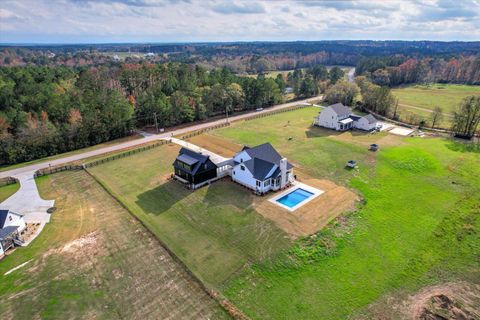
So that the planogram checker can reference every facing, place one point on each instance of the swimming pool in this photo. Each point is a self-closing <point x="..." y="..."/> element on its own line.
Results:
<point x="295" y="197"/>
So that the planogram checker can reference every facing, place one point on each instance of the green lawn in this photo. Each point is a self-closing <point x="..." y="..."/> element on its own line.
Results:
<point x="214" y="230"/>
<point x="446" y="96"/>
<point x="418" y="226"/>
<point x="320" y="152"/>
<point x="121" y="273"/>
<point x="7" y="191"/>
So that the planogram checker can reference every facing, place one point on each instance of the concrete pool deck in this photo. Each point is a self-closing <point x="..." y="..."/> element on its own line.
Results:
<point x="296" y="185"/>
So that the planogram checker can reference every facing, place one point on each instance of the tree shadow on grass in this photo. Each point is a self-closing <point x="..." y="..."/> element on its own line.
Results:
<point x="225" y="192"/>
<point x="163" y="197"/>
<point x="316" y="132"/>
<point x="464" y="146"/>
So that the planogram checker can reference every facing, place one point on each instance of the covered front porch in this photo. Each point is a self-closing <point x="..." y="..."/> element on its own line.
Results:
<point x="345" y="124"/>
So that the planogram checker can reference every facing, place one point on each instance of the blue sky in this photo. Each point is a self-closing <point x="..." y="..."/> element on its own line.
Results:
<point x="88" y="21"/>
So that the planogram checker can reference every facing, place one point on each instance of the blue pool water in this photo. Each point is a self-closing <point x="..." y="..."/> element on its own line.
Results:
<point x="295" y="197"/>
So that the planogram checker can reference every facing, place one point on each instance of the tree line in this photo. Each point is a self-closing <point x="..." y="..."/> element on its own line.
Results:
<point x="397" y="70"/>
<point x="50" y="110"/>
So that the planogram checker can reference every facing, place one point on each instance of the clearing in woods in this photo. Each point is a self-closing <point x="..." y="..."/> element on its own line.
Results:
<point x="94" y="260"/>
<point x="421" y="99"/>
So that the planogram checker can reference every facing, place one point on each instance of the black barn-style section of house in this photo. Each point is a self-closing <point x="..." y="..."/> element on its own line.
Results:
<point x="194" y="168"/>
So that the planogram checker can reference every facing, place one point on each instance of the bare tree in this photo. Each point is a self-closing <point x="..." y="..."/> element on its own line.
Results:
<point x="467" y="117"/>
<point x="437" y="115"/>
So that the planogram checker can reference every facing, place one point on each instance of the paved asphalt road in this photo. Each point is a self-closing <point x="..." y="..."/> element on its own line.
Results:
<point x="128" y="144"/>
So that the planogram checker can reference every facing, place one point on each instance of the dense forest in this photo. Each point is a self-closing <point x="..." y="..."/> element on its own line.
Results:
<point x="240" y="57"/>
<point x="397" y="70"/>
<point x="48" y="110"/>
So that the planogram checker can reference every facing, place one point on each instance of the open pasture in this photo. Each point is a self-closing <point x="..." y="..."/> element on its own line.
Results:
<point x="411" y="232"/>
<point x="94" y="260"/>
<point x="420" y="100"/>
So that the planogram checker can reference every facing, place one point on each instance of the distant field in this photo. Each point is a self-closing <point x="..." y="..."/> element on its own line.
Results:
<point x="7" y="191"/>
<point x="94" y="261"/>
<point x="214" y="230"/>
<point x="275" y="73"/>
<point x="421" y="99"/>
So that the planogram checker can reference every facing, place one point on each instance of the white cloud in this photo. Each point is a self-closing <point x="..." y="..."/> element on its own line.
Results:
<point x="223" y="20"/>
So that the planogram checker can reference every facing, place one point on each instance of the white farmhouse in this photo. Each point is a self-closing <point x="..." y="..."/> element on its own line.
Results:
<point x="261" y="169"/>
<point x="340" y="118"/>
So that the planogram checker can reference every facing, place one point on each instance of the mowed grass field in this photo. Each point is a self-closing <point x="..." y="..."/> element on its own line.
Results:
<point x="420" y="99"/>
<point x="419" y="224"/>
<point x="214" y="230"/>
<point x="95" y="261"/>
<point x="8" y="190"/>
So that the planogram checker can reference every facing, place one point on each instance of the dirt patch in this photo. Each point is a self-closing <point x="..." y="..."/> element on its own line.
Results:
<point x="87" y="242"/>
<point x="449" y="301"/>
<point x="216" y="145"/>
<point x="86" y="245"/>
<point x="315" y="214"/>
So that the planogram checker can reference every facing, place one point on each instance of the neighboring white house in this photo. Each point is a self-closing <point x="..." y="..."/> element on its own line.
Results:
<point x="340" y="118"/>
<point x="261" y="169"/>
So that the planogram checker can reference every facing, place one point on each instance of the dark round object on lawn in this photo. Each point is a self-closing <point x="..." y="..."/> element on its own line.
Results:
<point x="51" y="210"/>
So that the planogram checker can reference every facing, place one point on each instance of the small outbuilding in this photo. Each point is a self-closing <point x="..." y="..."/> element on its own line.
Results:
<point x="194" y="169"/>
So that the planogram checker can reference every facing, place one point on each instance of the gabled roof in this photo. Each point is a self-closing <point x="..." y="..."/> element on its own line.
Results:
<point x="193" y="159"/>
<point x="259" y="168"/>
<point x="264" y="158"/>
<point x="371" y="119"/>
<point x="265" y="152"/>
<point x="4" y="214"/>
<point x="339" y="108"/>
<point x="3" y="217"/>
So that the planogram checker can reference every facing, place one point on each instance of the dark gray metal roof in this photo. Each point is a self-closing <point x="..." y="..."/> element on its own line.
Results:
<point x="7" y="231"/>
<point x="371" y="119"/>
<point x="194" y="159"/>
<point x="355" y="117"/>
<point x="185" y="158"/>
<point x="265" y="152"/>
<point x="3" y="217"/>
<point x="339" y="108"/>
<point x="264" y="158"/>
<point x="259" y="168"/>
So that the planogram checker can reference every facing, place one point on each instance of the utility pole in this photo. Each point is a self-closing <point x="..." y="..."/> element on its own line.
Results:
<point x="155" y="119"/>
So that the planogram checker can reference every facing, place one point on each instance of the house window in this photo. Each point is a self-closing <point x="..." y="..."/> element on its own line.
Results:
<point x="242" y="168"/>
<point x="233" y="172"/>
<point x="10" y="217"/>
<point x="259" y="183"/>
<point x="266" y="183"/>
<point x="241" y="160"/>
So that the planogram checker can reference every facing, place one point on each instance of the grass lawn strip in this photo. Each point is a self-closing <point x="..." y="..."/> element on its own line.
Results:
<point x="95" y="261"/>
